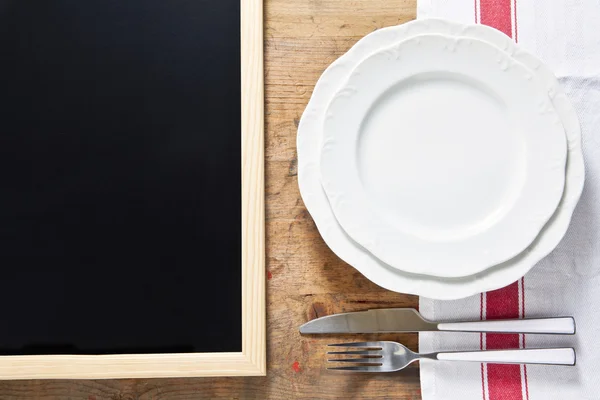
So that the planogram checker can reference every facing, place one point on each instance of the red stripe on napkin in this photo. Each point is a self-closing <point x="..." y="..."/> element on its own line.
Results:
<point x="496" y="13"/>
<point x="503" y="381"/>
<point x="523" y="316"/>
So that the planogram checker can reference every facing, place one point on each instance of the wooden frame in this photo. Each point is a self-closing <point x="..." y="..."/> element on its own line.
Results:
<point x="252" y="359"/>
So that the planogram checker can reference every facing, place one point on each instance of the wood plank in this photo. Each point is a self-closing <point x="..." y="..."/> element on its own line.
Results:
<point x="304" y="278"/>
<point x="253" y="188"/>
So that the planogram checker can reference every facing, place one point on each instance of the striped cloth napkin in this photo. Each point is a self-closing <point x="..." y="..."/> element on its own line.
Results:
<point x="565" y="34"/>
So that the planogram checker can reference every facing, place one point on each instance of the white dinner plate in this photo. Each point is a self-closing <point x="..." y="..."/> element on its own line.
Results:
<point x="310" y="134"/>
<point x="442" y="155"/>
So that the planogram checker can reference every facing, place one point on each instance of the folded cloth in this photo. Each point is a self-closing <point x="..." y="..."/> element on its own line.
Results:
<point x="565" y="34"/>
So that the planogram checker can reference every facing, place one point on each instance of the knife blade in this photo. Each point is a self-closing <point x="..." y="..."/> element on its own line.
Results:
<point x="370" y="321"/>
<point x="393" y="320"/>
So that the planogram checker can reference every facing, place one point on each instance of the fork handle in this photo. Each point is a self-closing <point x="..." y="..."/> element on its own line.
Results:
<point x="559" y="356"/>
<point x="559" y="325"/>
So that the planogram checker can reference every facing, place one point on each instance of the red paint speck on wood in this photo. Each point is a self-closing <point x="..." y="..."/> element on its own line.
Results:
<point x="296" y="366"/>
<point x="269" y="275"/>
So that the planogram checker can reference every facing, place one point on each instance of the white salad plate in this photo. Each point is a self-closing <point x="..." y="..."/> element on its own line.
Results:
<point x="442" y="155"/>
<point x="310" y="138"/>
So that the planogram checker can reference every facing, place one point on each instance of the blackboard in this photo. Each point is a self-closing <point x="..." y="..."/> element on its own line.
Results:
<point x="120" y="178"/>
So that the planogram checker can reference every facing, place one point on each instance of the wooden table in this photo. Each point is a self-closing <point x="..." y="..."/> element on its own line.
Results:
<point x="305" y="279"/>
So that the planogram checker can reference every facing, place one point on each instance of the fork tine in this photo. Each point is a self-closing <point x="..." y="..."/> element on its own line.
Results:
<point x="365" y="368"/>
<point x="376" y="345"/>
<point x="358" y="352"/>
<point x="372" y="361"/>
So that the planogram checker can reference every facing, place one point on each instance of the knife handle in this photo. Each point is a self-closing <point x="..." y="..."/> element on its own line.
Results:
<point x="561" y="356"/>
<point x="559" y="325"/>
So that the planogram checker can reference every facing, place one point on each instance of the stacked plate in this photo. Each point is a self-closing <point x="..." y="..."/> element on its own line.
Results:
<point x="440" y="159"/>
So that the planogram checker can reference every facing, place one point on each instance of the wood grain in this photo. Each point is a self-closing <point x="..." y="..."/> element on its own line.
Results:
<point x="254" y="339"/>
<point x="304" y="278"/>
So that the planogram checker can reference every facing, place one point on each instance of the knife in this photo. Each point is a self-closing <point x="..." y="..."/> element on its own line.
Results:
<point x="409" y="320"/>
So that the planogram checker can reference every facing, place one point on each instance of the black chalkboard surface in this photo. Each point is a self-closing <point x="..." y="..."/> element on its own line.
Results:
<point x="120" y="176"/>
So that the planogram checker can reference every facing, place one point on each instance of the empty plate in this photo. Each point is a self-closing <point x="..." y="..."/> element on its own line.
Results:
<point x="443" y="156"/>
<point x="310" y="133"/>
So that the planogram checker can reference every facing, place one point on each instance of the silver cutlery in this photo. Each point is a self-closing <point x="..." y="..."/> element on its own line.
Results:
<point x="392" y="356"/>
<point x="409" y="320"/>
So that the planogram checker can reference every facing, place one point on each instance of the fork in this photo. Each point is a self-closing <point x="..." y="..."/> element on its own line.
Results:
<point x="392" y="356"/>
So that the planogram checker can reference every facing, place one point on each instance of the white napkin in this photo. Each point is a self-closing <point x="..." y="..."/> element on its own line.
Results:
<point x="565" y="34"/>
